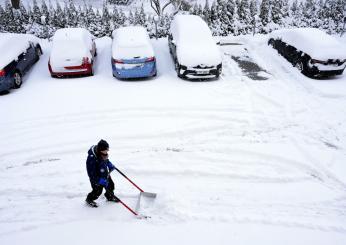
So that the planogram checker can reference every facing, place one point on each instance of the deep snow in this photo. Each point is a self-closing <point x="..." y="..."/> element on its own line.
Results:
<point x="234" y="161"/>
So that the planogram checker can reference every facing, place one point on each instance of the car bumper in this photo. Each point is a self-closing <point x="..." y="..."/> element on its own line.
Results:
<point x="6" y="83"/>
<point x="71" y="71"/>
<point x="192" y="73"/>
<point x="140" y="71"/>
<point x="327" y="70"/>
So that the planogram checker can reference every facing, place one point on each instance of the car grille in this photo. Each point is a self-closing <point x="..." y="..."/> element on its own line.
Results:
<point x="203" y="67"/>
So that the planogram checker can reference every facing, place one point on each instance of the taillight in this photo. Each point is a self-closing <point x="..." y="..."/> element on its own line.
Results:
<point x="115" y="61"/>
<point x="85" y="60"/>
<point x="150" y="59"/>
<point x="2" y="73"/>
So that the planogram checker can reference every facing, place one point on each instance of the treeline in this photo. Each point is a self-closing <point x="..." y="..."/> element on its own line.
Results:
<point x="225" y="17"/>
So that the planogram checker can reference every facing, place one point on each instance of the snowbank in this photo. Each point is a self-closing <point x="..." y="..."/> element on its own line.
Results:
<point x="12" y="45"/>
<point x="194" y="41"/>
<point x="130" y="42"/>
<point x="312" y="41"/>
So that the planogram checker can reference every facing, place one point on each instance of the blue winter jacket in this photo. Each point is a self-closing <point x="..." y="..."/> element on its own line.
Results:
<point x="96" y="167"/>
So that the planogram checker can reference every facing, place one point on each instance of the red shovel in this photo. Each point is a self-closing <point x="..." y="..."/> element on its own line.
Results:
<point x="142" y="193"/>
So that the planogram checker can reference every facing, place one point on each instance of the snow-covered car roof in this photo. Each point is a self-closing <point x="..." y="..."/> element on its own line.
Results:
<point x="130" y="42"/>
<point x="70" y="44"/>
<point x="194" y="41"/>
<point x="12" y="45"/>
<point x="314" y="42"/>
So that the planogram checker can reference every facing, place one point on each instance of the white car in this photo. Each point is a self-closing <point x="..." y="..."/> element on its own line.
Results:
<point x="193" y="48"/>
<point x="311" y="50"/>
<point x="73" y="53"/>
<point x="132" y="53"/>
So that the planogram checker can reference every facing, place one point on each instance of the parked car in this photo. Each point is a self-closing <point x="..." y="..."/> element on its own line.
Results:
<point x="73" y="53"/>
<point x="193" y="49"/>
<point x="132" y="53"/>
<point x="19" y="52"/>
<point x="311" y="50"/>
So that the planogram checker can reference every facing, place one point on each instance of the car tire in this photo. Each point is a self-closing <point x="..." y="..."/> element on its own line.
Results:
<point x="38" y="52"/>
<point x="17" y="79"/>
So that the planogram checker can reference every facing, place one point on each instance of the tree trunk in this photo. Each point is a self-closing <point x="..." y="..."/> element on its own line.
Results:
<point x="15" y="4"/>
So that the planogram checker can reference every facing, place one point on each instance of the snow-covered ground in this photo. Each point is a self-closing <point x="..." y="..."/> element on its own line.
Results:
<point x="234" y="161"/>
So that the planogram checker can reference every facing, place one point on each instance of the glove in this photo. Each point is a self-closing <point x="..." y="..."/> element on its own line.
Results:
<point x="110" y="166"/>
<point x="103" y="182"/>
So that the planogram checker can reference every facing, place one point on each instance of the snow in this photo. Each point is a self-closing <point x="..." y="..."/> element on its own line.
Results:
<point x="12" y="45"/>
<point x="312" y="41"/>
<point x="130" y="42"/>
<point x="70" y="45"/>
<point x="233" y="161"/>
<point x="194" y="41"/>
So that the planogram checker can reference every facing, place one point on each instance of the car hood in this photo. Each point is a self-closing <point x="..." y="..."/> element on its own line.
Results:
<point x="199" y="54"/>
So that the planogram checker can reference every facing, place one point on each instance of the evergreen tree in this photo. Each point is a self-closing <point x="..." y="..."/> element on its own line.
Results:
<point x="106" y="30"/>
<point x="44" y="11"/>
<point x="36" y="12"/>
<point x="24" y="15"/>
<point x="131" y="19"/>
<point x="245" y="16"/>
<point x="265" y="14"/>
<point x="140" y="17"/>
<point x="206" y="13"/>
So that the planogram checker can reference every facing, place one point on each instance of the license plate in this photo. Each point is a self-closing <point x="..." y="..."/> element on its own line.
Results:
<point x="202" y="72"/>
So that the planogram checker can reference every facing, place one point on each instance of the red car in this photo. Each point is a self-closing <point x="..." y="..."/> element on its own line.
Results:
<point x="73" y="53"/>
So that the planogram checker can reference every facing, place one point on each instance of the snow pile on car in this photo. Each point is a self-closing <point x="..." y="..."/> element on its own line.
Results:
<point x="130" y="42"/>
<point x="194" y="41"/>
<point x="312" y="41"/>
<point x="12" y="45"/>
<point x="70" y="45"/>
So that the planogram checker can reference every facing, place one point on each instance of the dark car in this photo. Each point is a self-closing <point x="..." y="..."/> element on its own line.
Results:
<point x="193" y="49"/>
<point x="15" y="61"/>
<point x="311" y="51"/>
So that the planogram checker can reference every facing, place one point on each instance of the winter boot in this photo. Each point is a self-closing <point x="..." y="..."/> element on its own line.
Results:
<point x="112" y="198"/>
<point x="91" y="203"/>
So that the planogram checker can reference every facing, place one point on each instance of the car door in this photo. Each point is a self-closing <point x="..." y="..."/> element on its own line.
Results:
<point x="21" y="63"/>
<point x="30" y="55"/>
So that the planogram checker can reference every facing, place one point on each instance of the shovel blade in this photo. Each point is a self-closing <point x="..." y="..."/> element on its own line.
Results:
<point x="148" y="194"/>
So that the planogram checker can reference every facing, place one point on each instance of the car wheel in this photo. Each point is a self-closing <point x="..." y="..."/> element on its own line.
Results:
<point x="17" y="80"/>
<point x="38" y="52"/>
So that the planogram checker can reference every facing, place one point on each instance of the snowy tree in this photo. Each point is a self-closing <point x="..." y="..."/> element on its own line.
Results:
<point x="36" y="12"/>
<point x="44" y="11"/>
<point x="255" y="21"/>
<point x="206" y="13"/>
<point x="245" y="16"/>
<point x="296" y="14"/>
<point x="159" y="6"/>
<point x="265" y="13"/>
<point x="140" y="17"/>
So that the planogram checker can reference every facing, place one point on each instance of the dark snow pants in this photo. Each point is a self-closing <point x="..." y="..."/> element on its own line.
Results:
<point x="97" y="190"/>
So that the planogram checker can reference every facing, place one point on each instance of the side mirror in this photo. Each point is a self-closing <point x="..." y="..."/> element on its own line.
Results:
<point x="218" y="43"/>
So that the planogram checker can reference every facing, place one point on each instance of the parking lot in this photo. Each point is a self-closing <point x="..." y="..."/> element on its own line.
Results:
<point x="263" y="144"/>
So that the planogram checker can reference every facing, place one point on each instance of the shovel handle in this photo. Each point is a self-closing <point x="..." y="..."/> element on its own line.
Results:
<point x="128" y="179"/>
<point x="128" y="207"/>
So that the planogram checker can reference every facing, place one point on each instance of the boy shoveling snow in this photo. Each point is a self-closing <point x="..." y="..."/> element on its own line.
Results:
<point x="99" y="168"/>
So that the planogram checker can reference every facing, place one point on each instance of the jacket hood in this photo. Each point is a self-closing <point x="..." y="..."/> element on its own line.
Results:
<point x="92" y="151"/>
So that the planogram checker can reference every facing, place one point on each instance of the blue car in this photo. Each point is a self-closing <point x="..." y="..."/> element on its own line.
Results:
<point x="132" y="53"/>
<point x="18" y="54"/>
